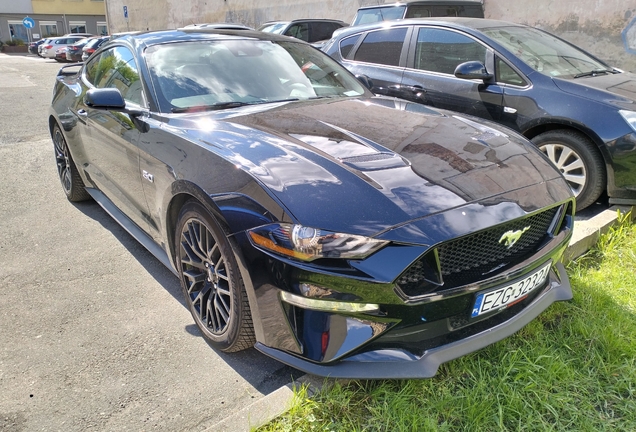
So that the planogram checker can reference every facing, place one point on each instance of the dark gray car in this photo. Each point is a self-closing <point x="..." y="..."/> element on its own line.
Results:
<point x="576" y="108"/>
<point x="309" y="30"/>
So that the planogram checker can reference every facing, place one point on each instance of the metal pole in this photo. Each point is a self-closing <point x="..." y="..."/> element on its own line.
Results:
<point x="107" y="16"/>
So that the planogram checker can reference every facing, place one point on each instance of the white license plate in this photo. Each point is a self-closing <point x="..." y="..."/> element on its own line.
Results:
<point x="508" y="295"/>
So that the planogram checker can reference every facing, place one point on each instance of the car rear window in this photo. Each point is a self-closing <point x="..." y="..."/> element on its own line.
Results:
<point x="366" y="16"/>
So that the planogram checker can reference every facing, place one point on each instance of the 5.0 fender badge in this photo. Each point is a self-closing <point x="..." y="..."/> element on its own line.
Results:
<point x="509" y="238"/>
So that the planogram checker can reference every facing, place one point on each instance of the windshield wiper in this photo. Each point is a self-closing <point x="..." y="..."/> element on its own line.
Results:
<point x="212" y="107"/>
<point x="266" y="101"/>
<point x="226" y="105"/>
<point x="594" y="73"/>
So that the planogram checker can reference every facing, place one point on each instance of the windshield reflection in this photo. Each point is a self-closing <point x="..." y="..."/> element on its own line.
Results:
<point x="224" y="74"/>
<point x="544" y="52"/>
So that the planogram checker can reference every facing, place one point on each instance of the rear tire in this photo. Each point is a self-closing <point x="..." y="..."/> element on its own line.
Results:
<point x="67" y="172"/>
<point x="210" y="280"/>
<point x="578" y="160"/>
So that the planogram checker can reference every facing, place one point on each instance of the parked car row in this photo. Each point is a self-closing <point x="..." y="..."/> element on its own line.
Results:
<point x="75" y="47"/>
<point x="51" y="46"/>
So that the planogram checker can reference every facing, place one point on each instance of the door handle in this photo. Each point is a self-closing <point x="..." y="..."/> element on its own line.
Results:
<point x="416" y="88"/>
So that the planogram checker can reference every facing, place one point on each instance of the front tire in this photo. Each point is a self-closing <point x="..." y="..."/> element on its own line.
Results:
<point x="578" y="160"/>
<point x="66" y="170"/>
<point x="210" y="280"/>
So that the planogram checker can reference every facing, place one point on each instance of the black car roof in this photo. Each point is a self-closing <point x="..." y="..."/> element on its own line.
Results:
<point x="303" y="20"/>
<point x="200" y="34"/>
<point x="425" y="2"/>
<point x="152" y="38"/>
<point x="452" y="22"/>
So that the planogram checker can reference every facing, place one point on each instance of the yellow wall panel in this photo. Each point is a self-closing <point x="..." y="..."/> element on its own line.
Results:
<point x="69" y="7"/>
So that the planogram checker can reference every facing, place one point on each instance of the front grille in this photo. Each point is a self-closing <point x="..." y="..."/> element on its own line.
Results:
<point x="474" y="257"/>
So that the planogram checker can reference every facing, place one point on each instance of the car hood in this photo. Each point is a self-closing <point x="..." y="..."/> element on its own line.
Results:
<point x="366" y="165"/>
<point x="614" y="89"/>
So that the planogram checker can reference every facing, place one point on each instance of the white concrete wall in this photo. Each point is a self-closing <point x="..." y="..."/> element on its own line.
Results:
<point x="16" y="6"/>
<point x="606" y="28"/>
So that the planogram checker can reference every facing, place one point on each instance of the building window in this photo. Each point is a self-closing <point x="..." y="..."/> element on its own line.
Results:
<point x="48" y="29"/>
<point x="102" y="29"/>
<point x="77" y="26"/>
<point x="18" y="31"/>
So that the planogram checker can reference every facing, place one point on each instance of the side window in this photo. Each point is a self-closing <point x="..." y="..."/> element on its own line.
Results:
<point x="442" y="50"/>
<point x="505" y="74"/>
<point x="382" y="47"/>
<point x="321" y="31"/>
<point x="346" y="44"/>
<point x="116" y="68"/>
<point x="90" y="71"/>
<point x="299" y="31"/>
<point x="418" y="12"/>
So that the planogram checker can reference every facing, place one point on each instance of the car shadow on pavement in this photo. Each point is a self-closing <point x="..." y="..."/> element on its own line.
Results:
<point x="263" y="373"/>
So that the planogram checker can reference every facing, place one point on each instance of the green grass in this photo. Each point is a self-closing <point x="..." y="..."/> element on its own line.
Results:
<point x="571" y="369"/>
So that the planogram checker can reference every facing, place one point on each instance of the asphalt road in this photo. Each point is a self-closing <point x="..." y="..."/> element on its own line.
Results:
<point x="94" y="334"/>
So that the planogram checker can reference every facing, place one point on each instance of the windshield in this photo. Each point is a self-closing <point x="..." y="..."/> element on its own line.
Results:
<point x="229" y="73"/>
<point x="273" y="28"/>
<point x="366" y="16"/>
<point x="545" y="53"/>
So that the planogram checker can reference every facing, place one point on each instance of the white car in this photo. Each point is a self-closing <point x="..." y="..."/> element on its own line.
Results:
<point x="48" y="49"/>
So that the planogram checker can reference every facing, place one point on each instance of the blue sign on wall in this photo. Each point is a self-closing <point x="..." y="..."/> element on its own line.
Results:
<point x="28" y="22"/>
<point x="125" y="11"/>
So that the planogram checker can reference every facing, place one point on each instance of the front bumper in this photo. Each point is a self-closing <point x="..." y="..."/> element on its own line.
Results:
<point x="399" y="364"/>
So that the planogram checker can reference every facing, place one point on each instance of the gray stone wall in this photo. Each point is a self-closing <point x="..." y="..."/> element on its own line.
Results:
<point x="605" y="28"/>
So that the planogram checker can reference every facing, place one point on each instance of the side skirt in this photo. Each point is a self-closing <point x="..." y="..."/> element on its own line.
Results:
<point x="132" y="228"/>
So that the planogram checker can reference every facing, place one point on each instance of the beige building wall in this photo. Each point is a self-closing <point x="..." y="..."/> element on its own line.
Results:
<point x="606" y="28"/>
<point x="74" y="7"/>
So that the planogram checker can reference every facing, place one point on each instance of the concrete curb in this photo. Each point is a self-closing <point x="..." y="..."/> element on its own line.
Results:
<point x="265" y="409"/>
<point x="586" y="234"/>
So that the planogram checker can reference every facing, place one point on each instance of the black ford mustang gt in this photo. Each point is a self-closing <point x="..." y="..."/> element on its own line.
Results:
<point x="339" y="232"/>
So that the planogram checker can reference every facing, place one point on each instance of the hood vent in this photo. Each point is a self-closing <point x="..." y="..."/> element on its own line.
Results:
<point x="375" y="161"/>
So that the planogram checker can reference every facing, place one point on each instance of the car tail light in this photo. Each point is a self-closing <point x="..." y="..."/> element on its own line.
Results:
<point x="89" y="51"/>
<point x="48" y="47"/>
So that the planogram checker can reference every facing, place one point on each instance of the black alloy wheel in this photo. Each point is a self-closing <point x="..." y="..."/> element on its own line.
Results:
<point x="66" y="170"/>
<point x="211" y="281"/>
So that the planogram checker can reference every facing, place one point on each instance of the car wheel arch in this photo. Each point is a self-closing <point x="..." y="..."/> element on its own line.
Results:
<point x="184" y="192"/>
<point x="548" y="125"/>
<point x="181" y="192"/>
<point x="583" y="165"/>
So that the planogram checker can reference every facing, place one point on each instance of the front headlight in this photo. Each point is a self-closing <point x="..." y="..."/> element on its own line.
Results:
<point x="630" y="118"/>
<point x="308" y="244"/>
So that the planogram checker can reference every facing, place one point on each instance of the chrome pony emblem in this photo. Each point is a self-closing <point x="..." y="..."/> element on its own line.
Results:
<point x="509" y="238"/>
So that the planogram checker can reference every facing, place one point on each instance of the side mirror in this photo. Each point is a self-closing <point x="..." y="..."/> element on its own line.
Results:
<point x="105" y="98"/>
<point x="472" y="70"/>
<point x="365" y="80"/>
<point x="109" y="99"/>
